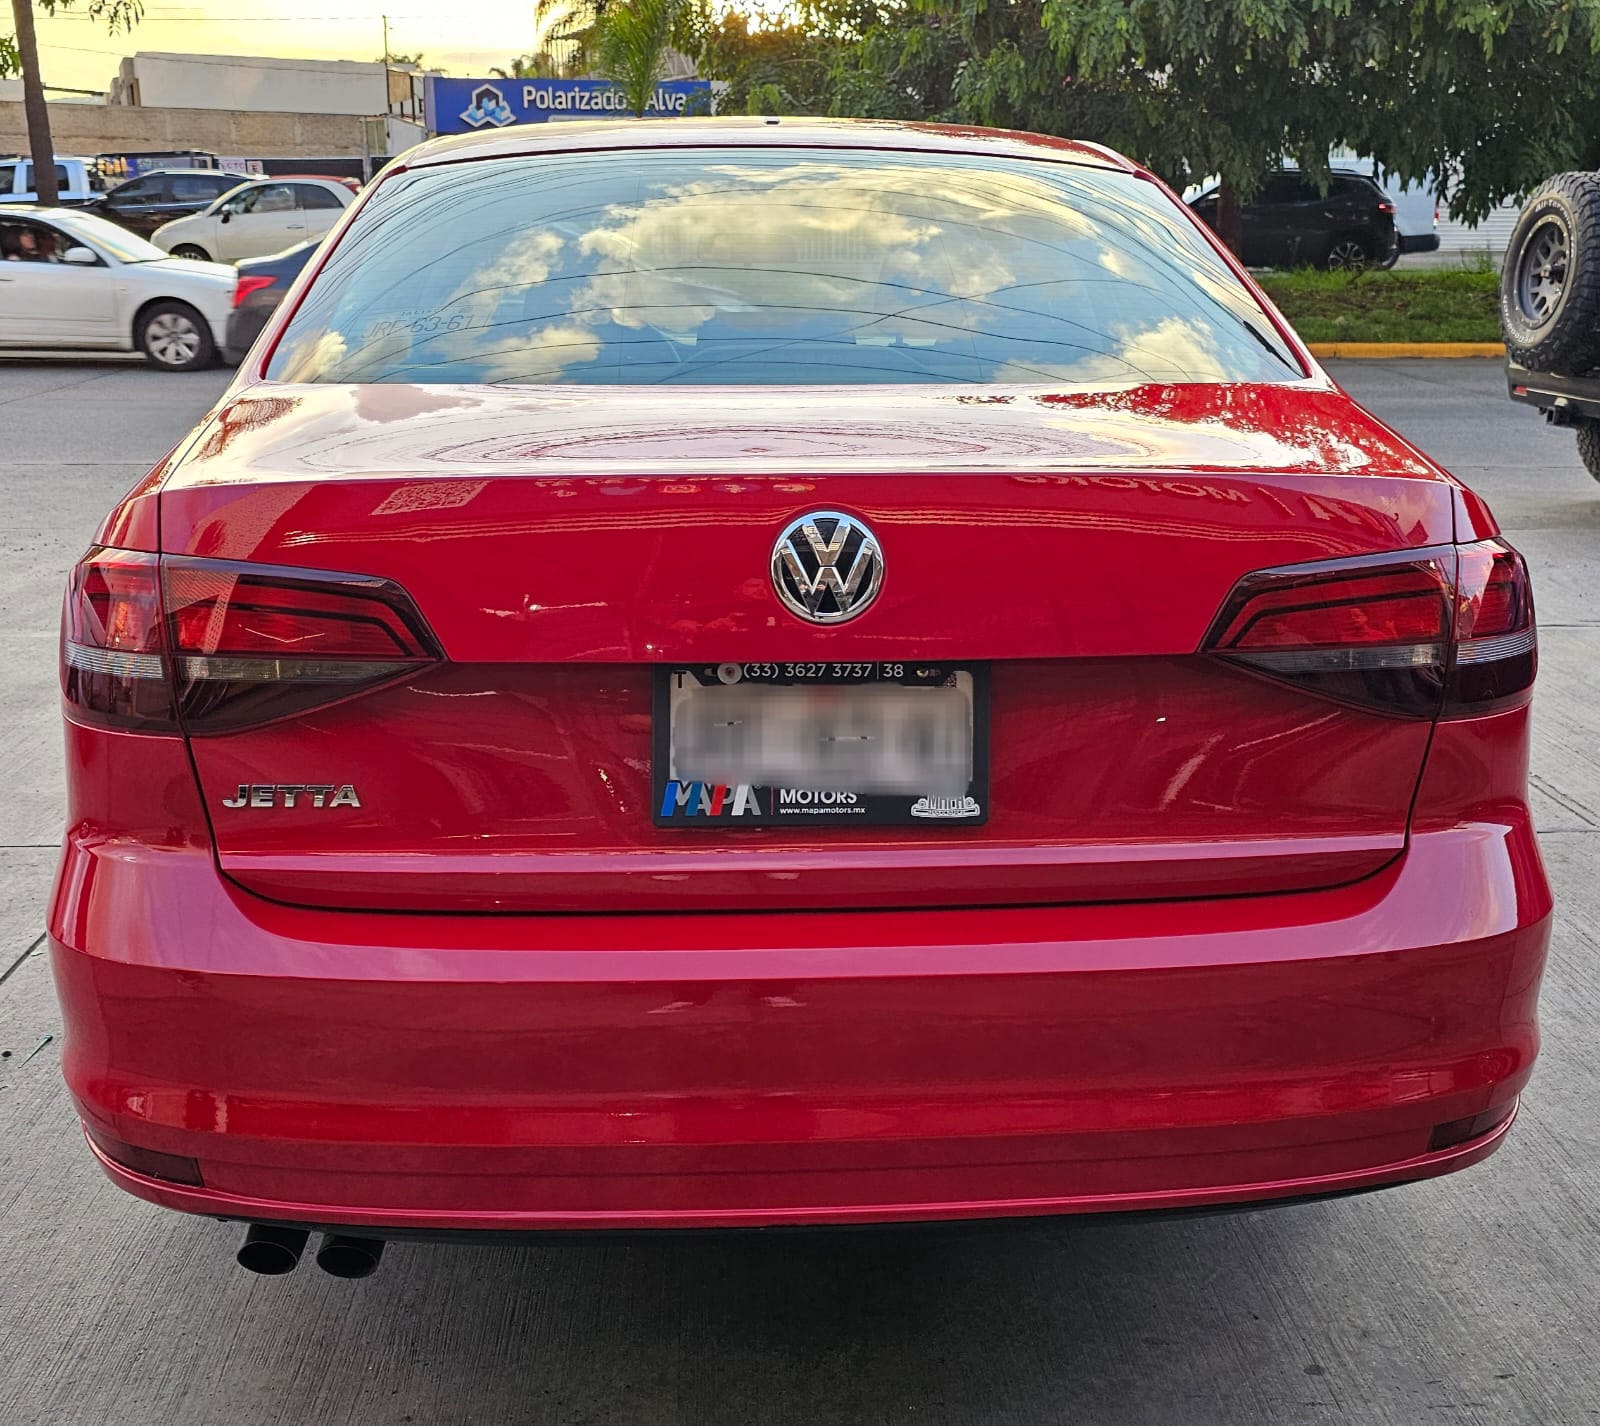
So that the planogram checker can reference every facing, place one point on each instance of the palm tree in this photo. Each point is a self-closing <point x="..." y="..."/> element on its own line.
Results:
<point x="524" y="66"/>
<point x="631" y="40"/>
<point x="559" y="27"/>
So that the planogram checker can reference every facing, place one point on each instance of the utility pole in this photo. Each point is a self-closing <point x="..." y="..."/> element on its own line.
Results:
<point x="33" y="105"/>
<point x="386" y="39"/>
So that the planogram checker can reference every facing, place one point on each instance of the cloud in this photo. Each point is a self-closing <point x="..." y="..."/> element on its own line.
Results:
<point x="1013" y="273"/>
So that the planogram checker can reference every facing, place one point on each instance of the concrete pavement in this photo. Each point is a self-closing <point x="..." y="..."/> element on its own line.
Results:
<point x="1471" y="1299"/>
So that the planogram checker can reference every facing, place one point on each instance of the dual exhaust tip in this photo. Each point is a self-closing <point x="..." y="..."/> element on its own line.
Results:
<point x="272" y="1251"/>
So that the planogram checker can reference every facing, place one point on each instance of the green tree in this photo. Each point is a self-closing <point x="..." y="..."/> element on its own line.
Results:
<point x="19" y="53"/>
<point x="780" y="65"/>
<point x="1483" y="97"/>
<point x="967" y="62"/>
<point x="629" y="42"/>
<point x="779" y="69"/>
<point x="1487" y="97"/>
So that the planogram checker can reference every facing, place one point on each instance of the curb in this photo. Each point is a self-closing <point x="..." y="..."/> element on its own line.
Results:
<point x="1391" y="350"/>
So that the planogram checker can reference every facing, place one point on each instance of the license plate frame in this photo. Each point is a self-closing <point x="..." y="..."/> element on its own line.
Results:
<point x="679" y="805"/>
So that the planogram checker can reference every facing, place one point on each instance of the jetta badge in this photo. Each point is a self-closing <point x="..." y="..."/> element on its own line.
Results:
<point x="827" y="567"/>
<point x="292" y="794"/>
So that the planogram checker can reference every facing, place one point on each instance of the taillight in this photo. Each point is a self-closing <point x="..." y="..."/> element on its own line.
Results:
<point x="1386" y="206"/>
<point x="211" y="645"/>
<point x="113" y="669"/>
<point x="1496" y="646"/>
<point x="254" y="642"/>
<point x="246" y="285"/>
<point x="1446" y="631"/>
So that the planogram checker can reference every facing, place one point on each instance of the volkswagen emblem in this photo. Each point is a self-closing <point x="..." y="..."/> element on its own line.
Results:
<point x="827" y="567"/>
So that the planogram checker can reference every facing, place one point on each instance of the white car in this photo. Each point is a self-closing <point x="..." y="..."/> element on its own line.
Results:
<point x="76" y="181"/>
<point x="71" y="280"/>
<point x="258" y="218"/>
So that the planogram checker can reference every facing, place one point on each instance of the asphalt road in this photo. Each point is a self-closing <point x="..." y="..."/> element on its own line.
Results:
<point x="1470" y="1299"/>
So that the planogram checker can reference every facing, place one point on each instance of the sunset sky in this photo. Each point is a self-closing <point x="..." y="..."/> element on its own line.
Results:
<point x="79" y="53"/>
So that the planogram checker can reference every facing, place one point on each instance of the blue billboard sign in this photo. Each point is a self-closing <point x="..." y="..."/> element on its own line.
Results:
<point x="464" y="106"/>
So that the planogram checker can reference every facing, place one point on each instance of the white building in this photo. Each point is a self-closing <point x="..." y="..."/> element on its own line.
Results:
<point x="258" y="84"/>
<point x="1492" y="235"/>
<point x="283" y="86"/>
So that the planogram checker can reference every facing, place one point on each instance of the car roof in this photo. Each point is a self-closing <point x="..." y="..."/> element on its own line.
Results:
<point x="187" y="172"/>
<point x="53" y="214"/>
<point x="1337" y="170"/>
<point x="33" y="210"/>
<point x="757" y="132"/>
<point x="66" y="218"/>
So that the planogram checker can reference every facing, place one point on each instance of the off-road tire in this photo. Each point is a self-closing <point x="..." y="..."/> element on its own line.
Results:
<point x="1550" y="282"/>
<point x="1589" y="446"/>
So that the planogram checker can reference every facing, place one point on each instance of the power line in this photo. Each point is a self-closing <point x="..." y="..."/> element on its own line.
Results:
<point x="251" y="19"/>
<point x="77" y="49"/>
<point x="216" y="61"/>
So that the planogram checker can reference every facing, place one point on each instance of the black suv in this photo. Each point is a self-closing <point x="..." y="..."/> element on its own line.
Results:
<point x="1292" y="223"/>
<point x="144" y="203"/>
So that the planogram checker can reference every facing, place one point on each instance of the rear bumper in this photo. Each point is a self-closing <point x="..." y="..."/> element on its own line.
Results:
<point x="1565" y="400"/>
<point x="1419" y="242"/>
<point x="244" y="326"/>
<point x="508" y="1072"/>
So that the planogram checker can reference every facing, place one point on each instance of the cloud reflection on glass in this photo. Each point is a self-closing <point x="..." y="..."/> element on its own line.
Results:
<point x="778" y="267"/>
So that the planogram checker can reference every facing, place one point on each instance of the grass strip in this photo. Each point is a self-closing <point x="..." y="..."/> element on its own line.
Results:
<point x="1421" y="305"/>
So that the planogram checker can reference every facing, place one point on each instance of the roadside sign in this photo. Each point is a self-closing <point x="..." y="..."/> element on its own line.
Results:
<point x="464" y="106"/>
<point x="120" y="166"/>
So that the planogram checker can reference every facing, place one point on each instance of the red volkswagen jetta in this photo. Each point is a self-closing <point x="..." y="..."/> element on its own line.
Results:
<point x="756" y="672"/>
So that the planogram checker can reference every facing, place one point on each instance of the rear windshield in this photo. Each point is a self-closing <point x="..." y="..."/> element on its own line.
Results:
<point x="775" y="267"/>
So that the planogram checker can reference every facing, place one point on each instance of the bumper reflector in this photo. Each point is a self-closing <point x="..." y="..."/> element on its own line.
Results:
<point x="172" y="1168"/>
<point x="1459" y="1131"/>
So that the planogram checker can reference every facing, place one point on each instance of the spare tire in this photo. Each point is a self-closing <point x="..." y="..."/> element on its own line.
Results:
<point x="1589" y="445"/>
<point x="1550" y="283"/>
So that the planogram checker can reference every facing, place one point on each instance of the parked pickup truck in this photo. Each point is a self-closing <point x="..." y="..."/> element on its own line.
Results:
<point x="77" y="178"/>
<point x="1550" y="308"/>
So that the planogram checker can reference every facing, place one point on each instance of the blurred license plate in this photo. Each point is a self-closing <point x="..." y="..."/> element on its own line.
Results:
<point x="809" y="744"/>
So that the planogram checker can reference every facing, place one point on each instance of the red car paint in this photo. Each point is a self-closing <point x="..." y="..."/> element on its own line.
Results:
<point x="1221" y="938"/>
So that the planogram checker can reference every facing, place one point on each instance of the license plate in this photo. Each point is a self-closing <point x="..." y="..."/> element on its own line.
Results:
<point x="821" y="744"/>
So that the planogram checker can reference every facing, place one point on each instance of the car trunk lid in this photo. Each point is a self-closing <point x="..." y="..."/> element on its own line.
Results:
<point x="1071" y="550"/>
